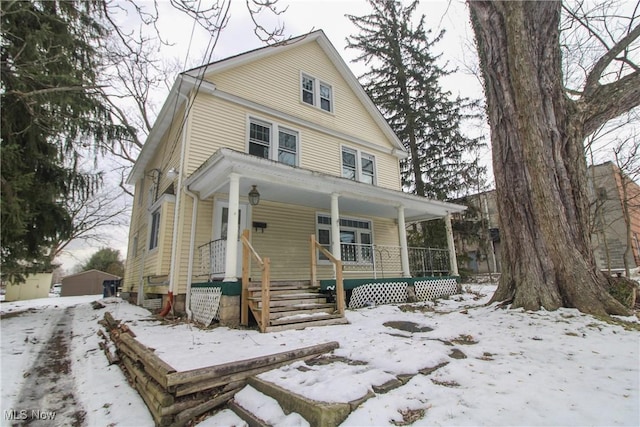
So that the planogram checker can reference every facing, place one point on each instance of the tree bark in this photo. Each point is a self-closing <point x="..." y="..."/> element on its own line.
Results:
<point x="539" y="164"/>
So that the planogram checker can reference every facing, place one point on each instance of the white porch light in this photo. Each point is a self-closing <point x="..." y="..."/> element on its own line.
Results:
<point x="172" y="174"/>
<point x="254" y="196"/>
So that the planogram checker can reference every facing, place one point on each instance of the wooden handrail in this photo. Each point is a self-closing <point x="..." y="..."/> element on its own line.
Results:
<point x="340" y="303"/>
<point x="265" y="267"/>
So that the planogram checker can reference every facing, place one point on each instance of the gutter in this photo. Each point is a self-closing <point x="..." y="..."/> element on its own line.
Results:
<point x="176" y="213"/>
<point x="192" y="242"/>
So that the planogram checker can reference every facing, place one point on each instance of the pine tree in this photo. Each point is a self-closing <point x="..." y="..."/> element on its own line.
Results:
<point x="50" y="111"/>
<point x="404" y="82"/>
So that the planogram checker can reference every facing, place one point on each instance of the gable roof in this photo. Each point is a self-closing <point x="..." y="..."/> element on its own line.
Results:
<point x="92" y="271"/>
<point x="190" y="79"/>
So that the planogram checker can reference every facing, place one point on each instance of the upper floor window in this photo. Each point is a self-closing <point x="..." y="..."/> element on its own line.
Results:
<point x="261" y="134"/>
<point x="259" y="139"/>
<point x="358" y="166"/>
<point x="317" y="93"/>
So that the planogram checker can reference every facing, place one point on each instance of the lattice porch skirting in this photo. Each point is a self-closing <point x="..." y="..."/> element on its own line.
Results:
<point x="395" y="292"/>
<point x="205" y="304"/>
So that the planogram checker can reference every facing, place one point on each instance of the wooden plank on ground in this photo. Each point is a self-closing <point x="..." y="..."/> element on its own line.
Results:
<point x="211" y="372"/>
<point x="238" y="377"/>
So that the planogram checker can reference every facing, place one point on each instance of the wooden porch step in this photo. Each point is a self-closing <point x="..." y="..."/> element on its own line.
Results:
<point x="287" y="288"/>
<point x="308" y="312"/>
<point x="296" y="296"/>
<point x="302" y="306"/>
<point x="327" y="321"/>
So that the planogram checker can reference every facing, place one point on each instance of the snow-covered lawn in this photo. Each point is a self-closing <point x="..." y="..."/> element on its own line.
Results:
<point x="498" y="367"/>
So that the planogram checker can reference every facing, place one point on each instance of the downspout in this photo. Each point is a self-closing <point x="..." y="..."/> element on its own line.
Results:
<point x="192" y="241"/>
<point x="176" y="214"/>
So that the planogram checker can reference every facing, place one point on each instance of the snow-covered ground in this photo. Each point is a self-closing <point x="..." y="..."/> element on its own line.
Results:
<point x="505" y="367"/>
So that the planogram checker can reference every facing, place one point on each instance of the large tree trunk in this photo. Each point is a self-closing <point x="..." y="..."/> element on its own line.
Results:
<point x="539" y="164"/>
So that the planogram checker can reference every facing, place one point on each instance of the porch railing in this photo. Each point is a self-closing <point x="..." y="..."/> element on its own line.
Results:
<point x="265" y="267"/>
<point x="379" y="260"/>
<point x="212" y="258"/>
<point x="385" y="261"/>
<point x="315" y="246"/>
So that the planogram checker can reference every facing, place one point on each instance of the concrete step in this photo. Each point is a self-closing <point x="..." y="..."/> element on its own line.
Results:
<point x="317" y="414"/>
<point x="261" y="410"/>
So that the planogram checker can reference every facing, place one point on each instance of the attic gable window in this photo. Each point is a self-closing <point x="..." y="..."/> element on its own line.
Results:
<point x="316" y="93"/>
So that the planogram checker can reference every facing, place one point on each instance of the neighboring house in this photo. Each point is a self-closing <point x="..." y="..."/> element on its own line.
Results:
<point x="88" y="282"/>
<point x="281" y="141"/>
<point x="35" y="286"/>
<point x="609" y="228"/>
<point x="477" y="233"/>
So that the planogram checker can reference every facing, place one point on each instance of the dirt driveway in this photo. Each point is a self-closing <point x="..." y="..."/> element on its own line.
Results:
<point x="47" y="395"/>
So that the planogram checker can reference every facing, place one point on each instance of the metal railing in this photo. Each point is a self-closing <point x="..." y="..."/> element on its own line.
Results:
<point x="384" y="260"/>
<point x="380" y="260"/>
<point x="212" y="258"/>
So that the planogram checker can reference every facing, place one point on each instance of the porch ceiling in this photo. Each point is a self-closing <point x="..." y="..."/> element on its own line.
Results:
<point x="285" y="184"/>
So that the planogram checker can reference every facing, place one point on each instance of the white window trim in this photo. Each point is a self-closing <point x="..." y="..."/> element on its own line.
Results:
<point x="316" y="93"/>
<point x="274" y="137"/>
<point x="358" y="231"/>
<point x="157" y="206"/>
<point x="359" y="154"/>
<point x="157" y="234"/>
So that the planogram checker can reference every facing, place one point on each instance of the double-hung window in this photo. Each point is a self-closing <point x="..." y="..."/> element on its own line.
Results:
<point x="155" y="229"/>
<point x="259" y="138"/>
<point x="316" y="93"/>
<point x="285" y="147"/>
<point x="356" y="242"/>
<point x="358" y="166"/>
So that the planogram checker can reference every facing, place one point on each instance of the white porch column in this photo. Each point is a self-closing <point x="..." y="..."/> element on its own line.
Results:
<point x="335" y="227"/>
<point x="453" y="262"/>
<point x="231" y="259"/>
<point x="404" y="251"/>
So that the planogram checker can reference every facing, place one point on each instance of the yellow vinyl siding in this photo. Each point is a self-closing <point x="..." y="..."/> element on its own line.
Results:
<point x="156" y="262"/>
<point x="217" y="123"/>
<point x="203" y="234"/>
<point x="275" y="82"/>
<point x="286" y="240"/>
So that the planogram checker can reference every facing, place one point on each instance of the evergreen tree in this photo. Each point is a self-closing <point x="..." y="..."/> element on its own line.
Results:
<point x="51" y="109"/>
<point x="404" y="82"/>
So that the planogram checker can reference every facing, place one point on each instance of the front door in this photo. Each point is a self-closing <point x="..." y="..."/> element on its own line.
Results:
<point x="221" y="223"/>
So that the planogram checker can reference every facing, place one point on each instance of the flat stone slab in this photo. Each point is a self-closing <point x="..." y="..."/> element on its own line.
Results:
<point x="407" y="326"/>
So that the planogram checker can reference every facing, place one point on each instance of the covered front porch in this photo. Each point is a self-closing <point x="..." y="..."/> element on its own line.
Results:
<point x="362" y="226"/>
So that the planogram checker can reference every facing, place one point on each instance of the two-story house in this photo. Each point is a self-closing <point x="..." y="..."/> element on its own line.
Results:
<point x="283" y="146"/>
